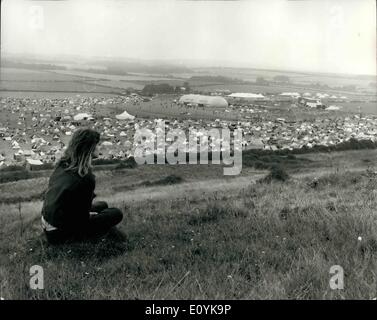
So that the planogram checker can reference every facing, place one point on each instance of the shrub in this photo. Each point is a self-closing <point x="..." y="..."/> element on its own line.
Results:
<point x="102" y="161"/>
<point x="15" y="176"/>
<point x="12" y="168"/>
<point x="266" y="159"/>
<point x="260" y="165"/>
<point x="44" y="166"/>
<point x="172" y="179"/>
<point x="129" y="163"/>
<point x="277" y="173"/>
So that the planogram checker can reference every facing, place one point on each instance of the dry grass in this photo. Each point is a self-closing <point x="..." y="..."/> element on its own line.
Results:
<point x="263" y="241"/>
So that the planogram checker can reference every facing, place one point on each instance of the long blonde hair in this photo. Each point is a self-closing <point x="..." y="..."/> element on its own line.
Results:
<point x="78" y="155"/>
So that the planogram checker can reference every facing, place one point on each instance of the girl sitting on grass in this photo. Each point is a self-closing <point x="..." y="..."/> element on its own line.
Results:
<point x="68" y="212"/>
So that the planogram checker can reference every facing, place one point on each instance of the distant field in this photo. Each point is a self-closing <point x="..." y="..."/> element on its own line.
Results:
<point x="30" y="81"/>
<point x="132" y="77"/>
<point x="13" y="79"/>
<point x="117" y="84"/>
<point x="276" y="89"/>
<point x="14" y="74"/>
<point x="297" y="77"/>
<point x="52" y="95"/>
<point x="60" y="83"/>
<point x="239" y="88"/>
<point x="70" y="86"/>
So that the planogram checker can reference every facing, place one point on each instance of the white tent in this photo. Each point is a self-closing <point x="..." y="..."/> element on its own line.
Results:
<point x="333" y="108"/>
<point x="247" y="95"/>
<point x="290" y="94"/>
<point x="312" y="104"/>
<point x="125" y="116"/>
<point x="208" y="101"/>
<point x="82" y="116"/>
<point x="34" y="162"/>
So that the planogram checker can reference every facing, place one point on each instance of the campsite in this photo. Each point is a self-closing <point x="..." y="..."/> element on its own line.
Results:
<point x="203" y="224"/>
<point x="121" y="123"/>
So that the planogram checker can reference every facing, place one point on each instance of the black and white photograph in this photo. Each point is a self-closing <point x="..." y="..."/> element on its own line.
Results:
<point x="182" y="150"/>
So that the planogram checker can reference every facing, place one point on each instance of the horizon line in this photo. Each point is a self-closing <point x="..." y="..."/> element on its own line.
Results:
<point x="174" y="61"/>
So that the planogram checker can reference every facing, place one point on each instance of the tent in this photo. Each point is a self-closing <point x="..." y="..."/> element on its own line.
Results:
<point x="82" y="116"/>
<point x="290" y="94"/>
<point x="125" y="116"/>
<point x="208" y="101"/>
<point x="251" y="96"/>
<point x="32" y="164"/>
<point x="333" y="108"/>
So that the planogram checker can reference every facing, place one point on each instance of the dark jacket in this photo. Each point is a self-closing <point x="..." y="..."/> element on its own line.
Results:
<point x="68" y="199"/>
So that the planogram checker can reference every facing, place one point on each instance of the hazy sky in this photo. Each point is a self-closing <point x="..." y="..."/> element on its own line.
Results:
<point x="317" y="35"/>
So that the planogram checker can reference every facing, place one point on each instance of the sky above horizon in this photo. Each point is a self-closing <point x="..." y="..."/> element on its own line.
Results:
<point x="321" y="36"/>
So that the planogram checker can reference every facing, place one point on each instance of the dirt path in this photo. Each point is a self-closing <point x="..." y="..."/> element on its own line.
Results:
<point x="197" y="188"/>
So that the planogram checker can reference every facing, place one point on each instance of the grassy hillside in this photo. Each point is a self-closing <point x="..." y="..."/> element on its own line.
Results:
<point x="273" y="240"/>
